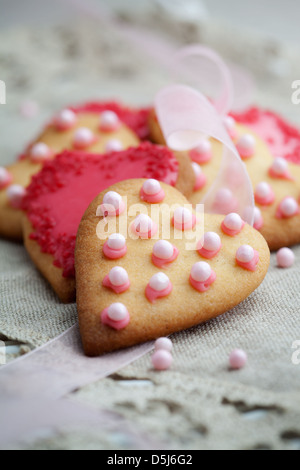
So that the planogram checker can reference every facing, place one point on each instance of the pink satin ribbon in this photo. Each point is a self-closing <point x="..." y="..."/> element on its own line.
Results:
<point x="208" y="72"/>
<point x="186" y="117"/>
<point x="30" y="385"/>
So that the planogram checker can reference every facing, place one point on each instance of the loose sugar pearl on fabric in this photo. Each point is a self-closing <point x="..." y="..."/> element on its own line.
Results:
<point x="15" y="194"/>
<point x="238" y="359"/>
<point x="247" y="257"/>
<point x="288" y="207"/>
<point x="5" y="178"/>
<point x="109" y="121"/>
<point x="113" y="145"/>
<point x="29" y="109"/>
<point x="152" y="191"/>
<point x="162" y="359"/>
<point x="202" y="153"/>
<point x="285" y="258"/>
<point x="246" y="146"/>
<point x="264" y="194"/>
<point x="116" y="316"/>
<point x="232" y="224"/>
<point x="209" y="245"/>
<point x="40" y="152"/>
<point x="143" y="226"/>
<point x="83" y="138"/>
<point x="183" y="219"/>
<point x="163" y="343"/>
<point x="65" y="120"/>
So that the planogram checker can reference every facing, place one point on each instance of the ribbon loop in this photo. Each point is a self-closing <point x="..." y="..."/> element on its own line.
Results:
<point x="185" y="116"/>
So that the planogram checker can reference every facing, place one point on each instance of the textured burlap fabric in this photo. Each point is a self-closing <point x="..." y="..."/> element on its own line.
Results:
<point x="199" y="403"/>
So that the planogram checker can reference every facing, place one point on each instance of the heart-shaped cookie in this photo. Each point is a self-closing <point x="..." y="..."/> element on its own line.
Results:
<point x="276" y="183"/>
<point x="58" y="196"/>
<point x="94" y="127"/>
<point x="143" y="273"/>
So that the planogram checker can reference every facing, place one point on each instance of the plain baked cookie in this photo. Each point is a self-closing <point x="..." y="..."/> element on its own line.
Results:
<point x="58" y="196"/>
<point x="144" y="284"/>
<point x="93" y="127"/>
<point x="276" y="183"/>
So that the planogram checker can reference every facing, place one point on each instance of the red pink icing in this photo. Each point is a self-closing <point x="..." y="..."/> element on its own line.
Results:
<point x="59" y="195"/>
<point x="135" y="119"/>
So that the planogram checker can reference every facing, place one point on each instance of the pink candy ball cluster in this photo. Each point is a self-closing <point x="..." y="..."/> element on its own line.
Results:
<point x="162" y="357"/>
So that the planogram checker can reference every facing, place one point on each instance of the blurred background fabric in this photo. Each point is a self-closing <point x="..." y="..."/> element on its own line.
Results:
<point x="63" y="52"/>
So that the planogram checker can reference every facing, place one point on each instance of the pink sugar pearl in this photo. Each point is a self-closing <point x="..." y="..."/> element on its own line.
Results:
<point x="163" y="343"/>
<point x="238" y="359"/>
<point x="285" y="258"/>
<point x="162" y="359"/>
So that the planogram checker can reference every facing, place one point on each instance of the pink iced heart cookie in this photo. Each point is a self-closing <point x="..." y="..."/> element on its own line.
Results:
<point x="93" y="127"/>
<point x="276" y="182"/>
<point x="157" y="268"/>
<point x="56" y="200"/>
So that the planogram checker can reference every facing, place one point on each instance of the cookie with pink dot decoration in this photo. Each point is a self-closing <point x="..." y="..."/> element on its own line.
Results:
<point x="59" y="194"/>
<point x="96" y="128"/>
<point x="73" y="127"/>
<point x="268" y="157"/>
<point x="162" y="283"/>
